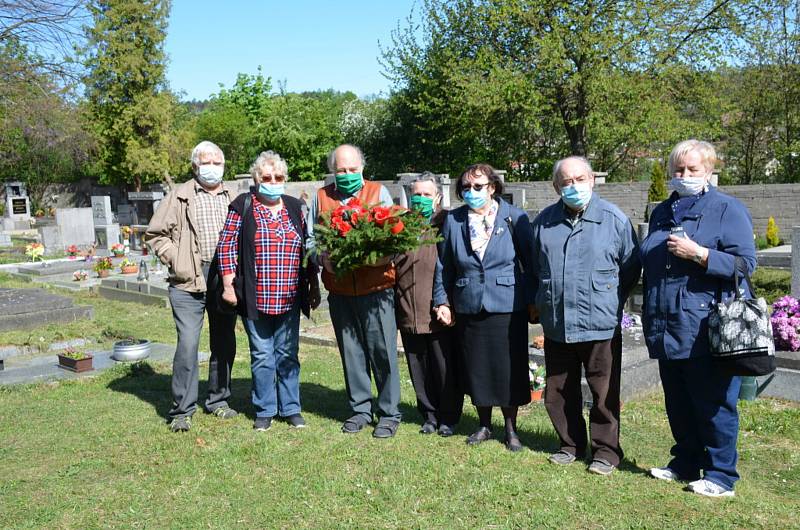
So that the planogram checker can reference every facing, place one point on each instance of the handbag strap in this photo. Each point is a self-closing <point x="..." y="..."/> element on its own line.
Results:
<point x="738" y="266"/>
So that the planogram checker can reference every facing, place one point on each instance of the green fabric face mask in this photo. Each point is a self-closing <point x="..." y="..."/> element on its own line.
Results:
<point x="423" y="205"/>
<point x="349" y="183"/>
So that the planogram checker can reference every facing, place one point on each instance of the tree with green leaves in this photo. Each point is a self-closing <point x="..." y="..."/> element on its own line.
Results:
<point x="530" y="81"/>
<point x="657" y="191"/>
<point x="130" y="108"/>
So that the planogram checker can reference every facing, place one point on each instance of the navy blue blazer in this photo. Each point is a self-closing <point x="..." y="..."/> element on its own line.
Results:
<point x="496" y="284"/>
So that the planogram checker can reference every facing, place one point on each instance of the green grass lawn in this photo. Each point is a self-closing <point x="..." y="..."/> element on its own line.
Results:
<point x="97" y="453"/>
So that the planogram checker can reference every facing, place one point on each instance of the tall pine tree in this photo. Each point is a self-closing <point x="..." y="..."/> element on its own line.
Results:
<point x="129" y="105"/>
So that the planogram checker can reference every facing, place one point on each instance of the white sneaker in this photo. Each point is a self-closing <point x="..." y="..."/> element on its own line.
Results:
<point x="709" y="489"/>
<point x="664" y="473"/>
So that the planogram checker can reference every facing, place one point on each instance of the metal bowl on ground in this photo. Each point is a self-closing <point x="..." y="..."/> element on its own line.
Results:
<point x="131" y="350"/>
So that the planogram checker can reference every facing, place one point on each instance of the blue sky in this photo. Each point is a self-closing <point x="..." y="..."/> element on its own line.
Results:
<point x="309" y="44"/>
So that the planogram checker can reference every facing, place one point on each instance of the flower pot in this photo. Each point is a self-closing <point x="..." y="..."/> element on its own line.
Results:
<point x="75" y="365"/>
<point x="130" y="269"/>
<point x="103" y="273"/>
<point x="131" y="350"/>
<point x="537" y="395"/>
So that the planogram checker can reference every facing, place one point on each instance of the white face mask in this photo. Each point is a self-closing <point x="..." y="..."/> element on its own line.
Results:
<point x="210" y="174"/>
<point x="688" y="186"/>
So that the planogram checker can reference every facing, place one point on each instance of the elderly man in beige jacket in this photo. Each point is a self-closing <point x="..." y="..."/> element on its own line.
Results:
<point x="183" y="234"/>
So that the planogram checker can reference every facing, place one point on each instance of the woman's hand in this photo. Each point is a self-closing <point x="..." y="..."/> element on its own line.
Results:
<point x="229" y="295"/>
<point x="444" y="316"/>
<point x="314" y="296"/>
<point x="685" y="248"/>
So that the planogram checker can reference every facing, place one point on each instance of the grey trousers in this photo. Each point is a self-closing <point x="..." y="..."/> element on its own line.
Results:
<point x="188" y="310"/>
<point x="366" y="332"/>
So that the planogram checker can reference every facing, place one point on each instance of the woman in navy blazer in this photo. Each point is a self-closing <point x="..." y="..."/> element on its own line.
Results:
<point x="689" y="257"/>
<point x="484" y="287"/>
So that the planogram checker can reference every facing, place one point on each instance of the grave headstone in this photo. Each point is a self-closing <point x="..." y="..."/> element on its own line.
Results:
<point x="126" y="214"/>
<point x="18" y="207"/>
<point x="796" y="261"/>
<point x="105" y="229"/>
<point x="5" y="240"/>
<point x="51" y="239"/>
<point x="145" y="203"/>
<point x="76" y="224"/>
<point x="27" y="308"/>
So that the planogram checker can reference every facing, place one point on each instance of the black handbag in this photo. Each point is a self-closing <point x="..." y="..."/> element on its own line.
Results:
<point x="740" y="332"/>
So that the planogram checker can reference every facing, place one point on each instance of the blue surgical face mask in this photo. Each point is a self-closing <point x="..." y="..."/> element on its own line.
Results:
<point x="272" y="191"/>
<point x="210" y="174"/>
<point x="476" y="199"/>
<point x="577" y="196"/>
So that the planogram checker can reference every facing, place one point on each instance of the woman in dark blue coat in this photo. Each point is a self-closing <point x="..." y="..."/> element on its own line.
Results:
<point x="688" y="260"/>
<point x="483" y="276"/>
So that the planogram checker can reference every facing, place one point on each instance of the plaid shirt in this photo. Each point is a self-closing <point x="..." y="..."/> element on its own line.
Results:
<point x="210" y="211"/>
<point x="278" y="252"/>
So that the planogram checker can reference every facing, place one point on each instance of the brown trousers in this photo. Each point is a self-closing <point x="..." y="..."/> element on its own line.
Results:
<point x="602" y="362"/>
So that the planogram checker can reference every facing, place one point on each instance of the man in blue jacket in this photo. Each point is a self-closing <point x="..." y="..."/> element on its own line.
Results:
<point x="586" y="261"/>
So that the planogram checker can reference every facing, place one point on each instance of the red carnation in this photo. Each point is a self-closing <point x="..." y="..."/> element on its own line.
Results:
<point x="397" y="226"/>
<point x="355" y="201"/>
<point x="380" y="214"/>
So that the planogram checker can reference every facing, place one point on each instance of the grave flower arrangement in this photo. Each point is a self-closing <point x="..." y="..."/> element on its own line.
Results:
<point x="103" y="264"/>
<point x="80" y="275"/>
<point x="354" y="235"/>
<point x="127" y="266"/>
<point x="536" y="374"/>
<point x="34" y="251"/>
<point x="75" y="360"/>
<point x="118" y="249"/>
<point x="785" y="320"/>
<point x="72" y="251"/>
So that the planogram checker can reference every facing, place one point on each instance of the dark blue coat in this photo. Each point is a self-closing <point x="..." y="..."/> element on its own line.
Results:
<point x="495" y="284"/>
<point x="678" y="292"/>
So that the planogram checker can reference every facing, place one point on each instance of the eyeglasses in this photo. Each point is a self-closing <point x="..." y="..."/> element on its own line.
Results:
<point x="476" y="187"/>
<point x="273" y="178"/>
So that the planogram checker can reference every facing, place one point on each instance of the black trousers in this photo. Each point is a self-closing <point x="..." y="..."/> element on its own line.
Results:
<point x="602" y="362"/>
<point x="432" y="362"/>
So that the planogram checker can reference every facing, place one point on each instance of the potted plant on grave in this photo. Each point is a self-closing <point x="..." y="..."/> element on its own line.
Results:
<point x="72" y="251"/>
<point x="75" y="360"/>
<point x="34" y="251"/>
<point x="80" y="275"/>
<point x="118" y="249"/>
<point x="127" y="266"/>
<point x="103" y="267"/>
<point x="536" y="374"/>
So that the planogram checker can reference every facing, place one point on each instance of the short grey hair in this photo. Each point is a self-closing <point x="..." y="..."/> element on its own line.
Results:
<point x="557" y="166"/>
<point x="706" y="151"/>
<point x="332" y="157"/>
<point x="205" y="147"/>
<point x="269" y="158"/>
<point x="427" y="176"/>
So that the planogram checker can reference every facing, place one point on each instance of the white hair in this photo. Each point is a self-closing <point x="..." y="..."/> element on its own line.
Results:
<point x="205" y="147"/>
<point x="581" y="159"/>
<point x="332" y="157"/>
<point x="427" y="176"/>
<point x="269" y="158"/>
<point x="706" y="151"/>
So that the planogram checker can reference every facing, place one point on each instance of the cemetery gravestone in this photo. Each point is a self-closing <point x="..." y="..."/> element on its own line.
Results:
<point x="30" y="308"/>
<point x="18" y="207"/>
<point x="76" y="225"/>
<point x="106" y="230"/>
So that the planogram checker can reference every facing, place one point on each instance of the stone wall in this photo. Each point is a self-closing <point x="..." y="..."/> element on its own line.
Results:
<point x="782" y="201"/>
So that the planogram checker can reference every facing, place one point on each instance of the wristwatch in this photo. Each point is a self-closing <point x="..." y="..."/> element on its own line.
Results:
<point x="699" y="255"/>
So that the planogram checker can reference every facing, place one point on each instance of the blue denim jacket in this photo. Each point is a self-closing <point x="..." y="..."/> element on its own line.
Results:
<point x="584" y="272"/>
<point x="496" y="284"/>
<point x="678" y="292"/>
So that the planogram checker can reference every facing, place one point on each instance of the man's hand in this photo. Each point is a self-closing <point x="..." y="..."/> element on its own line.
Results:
<point x="533" y="314"/>
<point x="444" y="316"/>
<point x="228" y="295"/>
<point x="325" y="261"/>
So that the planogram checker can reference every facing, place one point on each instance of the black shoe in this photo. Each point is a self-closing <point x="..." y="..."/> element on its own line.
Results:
<point x="428" y="428"/>
<point x="296" y="421"/>
<point x="513" y="442"/>
<point x="354" y="424"/>
<point x="445" y="430"/>
<point x="262" y="424"/>
<point x="385" y="428"/>
<point x="479" y="436"/>
<point x="224" y="412"/>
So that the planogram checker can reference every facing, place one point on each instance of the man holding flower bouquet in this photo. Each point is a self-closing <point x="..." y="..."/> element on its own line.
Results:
<point x="361" y="299"/>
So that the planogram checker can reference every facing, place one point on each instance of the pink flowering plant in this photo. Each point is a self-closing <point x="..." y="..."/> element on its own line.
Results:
<point x="786" y="323"/>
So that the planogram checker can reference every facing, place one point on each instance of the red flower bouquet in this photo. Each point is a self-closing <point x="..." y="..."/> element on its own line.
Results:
<point x="355" y="235"/>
